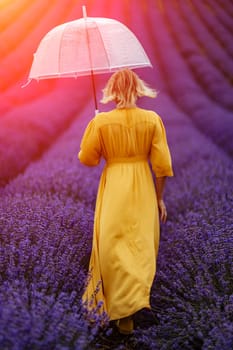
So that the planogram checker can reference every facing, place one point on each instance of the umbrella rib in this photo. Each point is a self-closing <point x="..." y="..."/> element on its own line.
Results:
<point x="60" y="49"/>
<point x="91" y="64"/>
<point x="109" y="64"/>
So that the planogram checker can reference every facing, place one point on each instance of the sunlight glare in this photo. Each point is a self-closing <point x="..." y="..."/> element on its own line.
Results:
<point x="4" y="3"/>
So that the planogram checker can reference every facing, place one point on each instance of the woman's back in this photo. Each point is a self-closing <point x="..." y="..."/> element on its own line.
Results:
<point x="126" y="132"/>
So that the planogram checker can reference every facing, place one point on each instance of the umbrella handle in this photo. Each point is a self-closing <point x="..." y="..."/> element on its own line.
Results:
<point x="94" y="91"/>
<point x="89" y="51"/>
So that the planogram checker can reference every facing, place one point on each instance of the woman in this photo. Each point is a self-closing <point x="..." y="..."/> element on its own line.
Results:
<point x="126" y="225"/>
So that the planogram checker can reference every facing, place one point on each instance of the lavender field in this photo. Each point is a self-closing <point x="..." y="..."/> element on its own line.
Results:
<point x="47" y="198"/>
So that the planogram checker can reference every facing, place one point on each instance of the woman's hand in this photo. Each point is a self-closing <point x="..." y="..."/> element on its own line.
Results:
<point x="162" y="210"/>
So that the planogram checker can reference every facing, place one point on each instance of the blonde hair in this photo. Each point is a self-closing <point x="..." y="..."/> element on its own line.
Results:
<point x="124" y="87"/>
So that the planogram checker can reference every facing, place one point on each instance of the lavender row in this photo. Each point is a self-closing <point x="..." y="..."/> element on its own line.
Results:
<point x="223" y="36"/>
<point x="213" y="83"/>
<point x="16" y="96"/>
<point x="54" y="173"/>
<point x="27" y="131"/>
<point x="46" y="236"/>
<point x="223" y="16"/>
<point x="44" y="244"/>
<point x="226" y="5"/>
<point x="213" y="120"/>
<point x="192" y="296"/>
<point x="213" y="49"/>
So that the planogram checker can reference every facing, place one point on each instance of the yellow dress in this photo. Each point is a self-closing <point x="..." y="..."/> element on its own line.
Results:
<point x="126" y="225"/>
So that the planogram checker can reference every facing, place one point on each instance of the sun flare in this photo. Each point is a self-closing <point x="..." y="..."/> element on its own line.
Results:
<point x="4" y="3"/>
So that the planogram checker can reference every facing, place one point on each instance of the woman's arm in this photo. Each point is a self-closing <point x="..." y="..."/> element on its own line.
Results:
<point x="159" y="186"/>
<point x="90" y="148"/>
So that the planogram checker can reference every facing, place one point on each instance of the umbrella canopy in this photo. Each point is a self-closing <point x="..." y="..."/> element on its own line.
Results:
<point x="87" y="45"/>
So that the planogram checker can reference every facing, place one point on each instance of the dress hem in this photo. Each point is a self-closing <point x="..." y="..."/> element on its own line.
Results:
<point x="144" y="306"/>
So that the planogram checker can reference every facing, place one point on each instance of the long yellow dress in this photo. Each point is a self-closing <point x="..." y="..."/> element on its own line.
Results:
<point x="126" y="224"/>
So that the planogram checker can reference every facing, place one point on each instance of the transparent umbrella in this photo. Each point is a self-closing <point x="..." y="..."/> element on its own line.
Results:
<point x="86" y="46"/>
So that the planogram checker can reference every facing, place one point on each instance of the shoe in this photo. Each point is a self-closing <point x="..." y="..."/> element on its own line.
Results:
<point x="125" y="325"/>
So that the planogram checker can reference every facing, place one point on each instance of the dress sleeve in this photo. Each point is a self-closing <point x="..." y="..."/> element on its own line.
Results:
<point x="90" y="148"/>
<point x="160" y="157"/>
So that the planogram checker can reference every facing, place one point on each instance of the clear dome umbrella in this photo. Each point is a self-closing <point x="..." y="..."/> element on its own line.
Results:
<point x="87" y="46"/>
